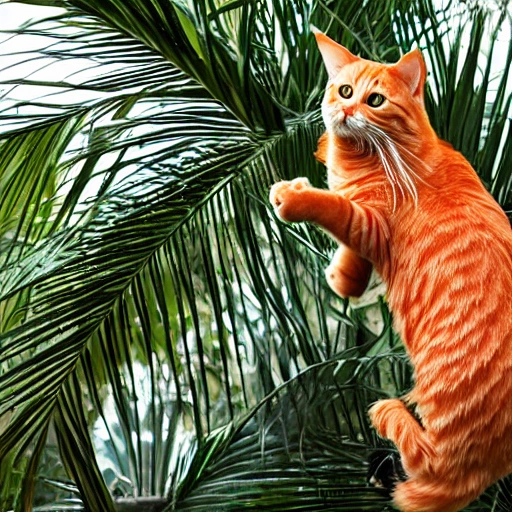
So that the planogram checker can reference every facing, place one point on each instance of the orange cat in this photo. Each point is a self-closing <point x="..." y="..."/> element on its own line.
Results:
<point x="407" y="203"/>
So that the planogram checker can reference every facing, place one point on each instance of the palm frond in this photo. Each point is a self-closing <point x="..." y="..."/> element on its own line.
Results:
<point x="304" y="438"/>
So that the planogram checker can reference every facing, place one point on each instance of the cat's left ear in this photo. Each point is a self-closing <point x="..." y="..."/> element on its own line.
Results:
<point x="412" y="70"/>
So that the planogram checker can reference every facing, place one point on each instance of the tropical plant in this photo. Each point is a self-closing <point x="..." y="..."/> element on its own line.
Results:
<point x="165" y="342"/>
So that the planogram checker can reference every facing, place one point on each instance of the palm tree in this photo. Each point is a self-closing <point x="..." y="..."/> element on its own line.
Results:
<point x="165" y="342"/>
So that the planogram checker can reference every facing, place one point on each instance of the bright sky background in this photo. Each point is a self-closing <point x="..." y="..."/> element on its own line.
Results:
<point x="13" y="14"/>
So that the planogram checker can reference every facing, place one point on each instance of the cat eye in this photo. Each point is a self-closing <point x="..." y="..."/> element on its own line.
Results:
<point x="345" y="91"/>
<point x="375" y="99"/>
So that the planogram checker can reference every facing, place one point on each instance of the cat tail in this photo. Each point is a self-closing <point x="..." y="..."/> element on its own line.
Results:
<point x="419" y="495"/>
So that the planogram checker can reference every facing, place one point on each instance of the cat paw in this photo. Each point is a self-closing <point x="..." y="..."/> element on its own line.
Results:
<point x="285" y="197"/>
<point x="392" y="420"/>
<point x="343" y="284"/>
<point x="382" y="413"/>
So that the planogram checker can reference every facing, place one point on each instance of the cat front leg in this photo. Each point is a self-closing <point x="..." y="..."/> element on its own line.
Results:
<point x="392" y="420"/>
<point x="348" y="274"/>
<point x="354" y="225"/>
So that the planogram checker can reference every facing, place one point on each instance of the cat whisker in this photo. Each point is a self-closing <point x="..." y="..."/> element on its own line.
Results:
<point x="388" y="169"/>
<point x="400" y="173"/>
<point x="396" y="145"/>
<point x="400" y="168"/>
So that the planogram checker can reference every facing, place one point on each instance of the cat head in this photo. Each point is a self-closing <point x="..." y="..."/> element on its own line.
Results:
<point x="381" y="108"/>
<point x="360" y="91"/>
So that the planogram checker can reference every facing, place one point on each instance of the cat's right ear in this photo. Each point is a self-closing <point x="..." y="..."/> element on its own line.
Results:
<point x="334" y="55"/>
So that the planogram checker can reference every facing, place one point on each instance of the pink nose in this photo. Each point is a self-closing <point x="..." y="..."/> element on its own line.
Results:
<point x="348" y="111"/>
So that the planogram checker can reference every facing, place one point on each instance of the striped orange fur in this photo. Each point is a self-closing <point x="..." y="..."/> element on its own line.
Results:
<point x="405" y="202"/>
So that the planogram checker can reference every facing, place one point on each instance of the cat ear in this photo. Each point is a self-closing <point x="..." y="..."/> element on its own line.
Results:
<point x="334" y="55"/>
<point x="412" y="70"/>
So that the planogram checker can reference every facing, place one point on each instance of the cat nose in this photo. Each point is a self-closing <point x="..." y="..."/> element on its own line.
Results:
<point x="348" y="110"/>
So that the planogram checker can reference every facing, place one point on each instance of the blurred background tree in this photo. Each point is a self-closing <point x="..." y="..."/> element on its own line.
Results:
<point x="165" y="342"/>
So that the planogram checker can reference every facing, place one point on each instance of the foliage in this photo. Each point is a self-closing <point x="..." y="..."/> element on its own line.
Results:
<point x="161" y="333"/>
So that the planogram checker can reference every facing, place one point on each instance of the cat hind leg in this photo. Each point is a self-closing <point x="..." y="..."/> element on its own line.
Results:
<point x="395" y="422"/>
